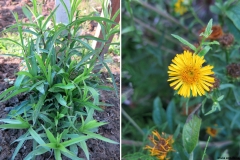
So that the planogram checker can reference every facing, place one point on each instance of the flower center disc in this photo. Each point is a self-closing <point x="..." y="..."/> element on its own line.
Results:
<point x="190" y="75"/>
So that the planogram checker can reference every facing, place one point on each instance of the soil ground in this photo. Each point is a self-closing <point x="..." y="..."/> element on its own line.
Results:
<point x="99" y="150"/>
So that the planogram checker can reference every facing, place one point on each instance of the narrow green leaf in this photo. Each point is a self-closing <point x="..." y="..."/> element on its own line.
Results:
<point x="63" y="86"/>
<point x="11" y="121"/>
<point x="185" y="42"/>
<point x="87" y="18"/>
<point x="159" y="114"/>
<point x="113" y="79"/>
<point x="38" y="107"/>
<point x="19" y="146"/>
<point x="80" y="78"/>
<point x="74" y="149"/>
<point x="106" y="88"/>
<point x="50" y="136"/>
<point x="85" y="44"/>
<point x="57" y="154"/>
<point x="88" y="104"/>
<point x="15" y="126"/>
<point x="8" y="39"/>
<point x="75" y="140"/>
<point x="97" y="136"/>
<point x="49" y="78"/>
<point x="203" y="103"/>
<point x="18" y="81"/>
<point x="49" y="17"/>
<point x="95" y="95"/>
<point x="84" y="147"/>
<point x="208" y="29"/>
<point x="92" y="38"/>
<point x="41" y="65"/>
<point x="211" y="43"/>
<point x="220" y="98"/>
<point x="191" y="131"/>
<point x="177" y="131"/>
<point x="171" y="115"/>
<point x="61" y="100"/>
<point x="37" y="84"/>
<point x="4" y="93"/>
<point x="71" y="156"/>
<point x="25" y="73"/>
<point x="227" y="85"/>
<point x="14" y="93"/>
<point x="127" y="29"/>
<point x="93" y="124"/>
<point x="85" y="58"/>
<point x="204" y="51"/>
<point x="37" y="151"/>
<point x="233" y="13"/>
<point x="36" y="136"/>
<point x="40" y="88"/>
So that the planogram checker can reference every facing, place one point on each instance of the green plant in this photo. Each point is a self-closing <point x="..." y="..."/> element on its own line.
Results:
<point x="150" y="101"/>
<point x="63" y="91"/>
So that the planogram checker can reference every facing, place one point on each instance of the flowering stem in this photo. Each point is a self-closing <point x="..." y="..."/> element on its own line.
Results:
<point x="204" y="153"/>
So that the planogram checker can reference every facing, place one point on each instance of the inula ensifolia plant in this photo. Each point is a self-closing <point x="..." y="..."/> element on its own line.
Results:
<point x="190" y="78"/>
<point x="63" y="92"/>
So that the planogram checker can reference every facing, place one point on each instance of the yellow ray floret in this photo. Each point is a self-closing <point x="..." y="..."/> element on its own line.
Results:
<point x="188" y="76"/>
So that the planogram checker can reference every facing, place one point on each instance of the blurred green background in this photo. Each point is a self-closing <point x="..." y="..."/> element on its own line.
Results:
<point x="148" y="102"/>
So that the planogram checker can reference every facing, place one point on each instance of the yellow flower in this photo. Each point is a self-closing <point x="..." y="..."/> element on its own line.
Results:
<point x="188" y="75"/>
<point x="212" y="132"/>
<point x="179" y="7"/>
<point x="161" y="146"/>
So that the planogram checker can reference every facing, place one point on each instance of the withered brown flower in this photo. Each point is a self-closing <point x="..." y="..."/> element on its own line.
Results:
<point x="233" y="70"/>
<point x="161" y="145"/>
<point x="226" y="40"/>
<point x="212" y="132"/>
<point x="216" y="32"/>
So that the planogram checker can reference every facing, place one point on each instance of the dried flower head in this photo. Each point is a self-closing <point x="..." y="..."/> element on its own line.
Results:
<point x="189" y="76"/>
<point x="216" y="32"/>
<point x="226" y="40"/>
<point x="233" y="70"/>
<point x="161" y="145"/>
<point x="212" y="132"/>
<point x="179" y="7"/>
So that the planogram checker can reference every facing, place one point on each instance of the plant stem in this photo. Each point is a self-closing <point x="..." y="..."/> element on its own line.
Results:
<point x="196" y="17"/>
<point x="226" y="55"/>
<point x="132" y="121"/>
<point x="191" y="156"/>
<point x="204" y="153"/>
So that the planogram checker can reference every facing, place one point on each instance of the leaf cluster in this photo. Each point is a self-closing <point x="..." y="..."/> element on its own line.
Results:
<point x="59" y="81"/>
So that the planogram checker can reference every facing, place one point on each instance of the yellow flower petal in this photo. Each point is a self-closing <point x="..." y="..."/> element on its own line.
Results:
<point x="188" y="76"/>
